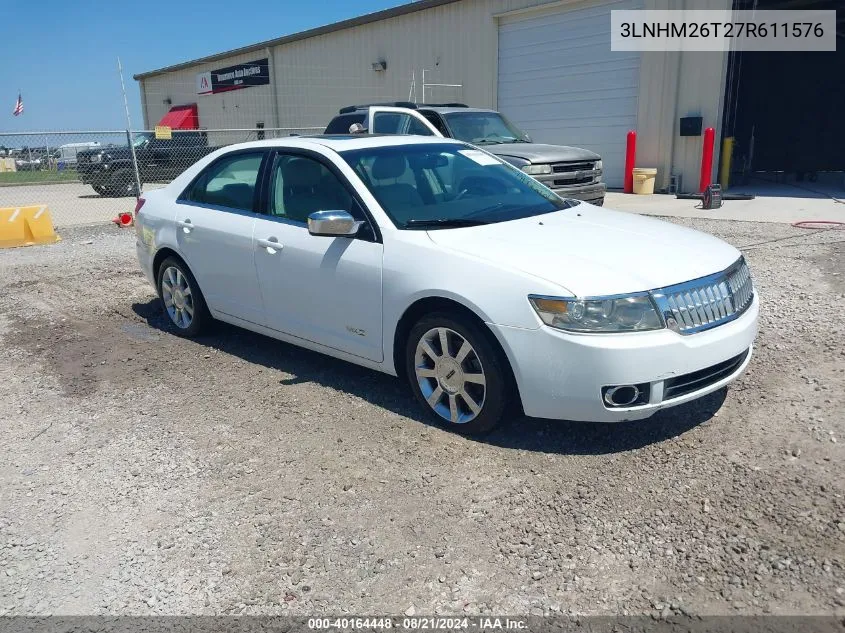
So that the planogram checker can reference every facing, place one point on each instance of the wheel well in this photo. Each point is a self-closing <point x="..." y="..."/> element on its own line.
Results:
<point x="419" y="309"/>
<point x="163" y="254"/>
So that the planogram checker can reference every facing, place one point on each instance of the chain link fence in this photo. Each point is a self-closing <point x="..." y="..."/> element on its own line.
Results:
<point x="87" y="177"/>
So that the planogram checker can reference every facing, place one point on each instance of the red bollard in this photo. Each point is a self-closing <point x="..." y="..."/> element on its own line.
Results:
<point x="707" y="159"/>
<point x="630" y="157"/>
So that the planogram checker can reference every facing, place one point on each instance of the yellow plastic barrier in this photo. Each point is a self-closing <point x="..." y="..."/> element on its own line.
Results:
<point x="25" y="226"/>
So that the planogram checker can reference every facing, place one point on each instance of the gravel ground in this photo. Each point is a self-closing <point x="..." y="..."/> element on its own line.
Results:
<point x="142" y="473"/>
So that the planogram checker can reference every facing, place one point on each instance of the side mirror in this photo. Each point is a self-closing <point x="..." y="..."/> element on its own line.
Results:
<point x="333" y="224"/>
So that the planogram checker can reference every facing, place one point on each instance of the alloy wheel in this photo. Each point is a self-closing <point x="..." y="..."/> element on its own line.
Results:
<point x="178" y="297"/>
<point x="450" y="375"/>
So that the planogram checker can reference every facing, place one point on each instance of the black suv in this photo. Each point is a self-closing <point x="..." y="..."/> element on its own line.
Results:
<point x="109" y="169"/>
<point x="571" y="172"/>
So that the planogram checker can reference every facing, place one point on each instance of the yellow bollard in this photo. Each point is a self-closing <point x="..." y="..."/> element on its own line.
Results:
<point x="25" y="226"/>
<point x="727" y="155"/>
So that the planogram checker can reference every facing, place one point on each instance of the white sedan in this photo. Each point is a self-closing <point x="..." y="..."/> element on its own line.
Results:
<point x="435" y="261"/>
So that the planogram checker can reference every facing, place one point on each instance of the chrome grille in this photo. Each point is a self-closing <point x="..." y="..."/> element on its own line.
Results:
<point x="707" y="302"/>
<point x="560" y="168"/>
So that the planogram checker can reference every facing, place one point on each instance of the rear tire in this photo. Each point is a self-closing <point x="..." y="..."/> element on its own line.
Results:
<point x="100" y="189"/>
<point x="465" y="386"/>
<point x="182" y="299"/>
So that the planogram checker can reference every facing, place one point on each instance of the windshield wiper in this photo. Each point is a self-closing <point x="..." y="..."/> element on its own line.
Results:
<point x="443" y="223"/>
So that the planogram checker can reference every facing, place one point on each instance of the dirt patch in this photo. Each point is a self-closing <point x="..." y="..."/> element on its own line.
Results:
<point x="144" y="473"/>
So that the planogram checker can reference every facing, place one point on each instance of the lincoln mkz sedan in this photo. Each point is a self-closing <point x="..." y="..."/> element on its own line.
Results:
<point x="435" y="261"/>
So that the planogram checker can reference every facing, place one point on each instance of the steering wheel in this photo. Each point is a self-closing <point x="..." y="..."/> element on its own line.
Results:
<point x="480" y="186"/>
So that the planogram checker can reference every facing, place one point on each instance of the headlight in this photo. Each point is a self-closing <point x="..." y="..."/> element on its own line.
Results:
<point x="633" y="313"/>
<point x="536" y="170"/>
<point x="96" y="158"/>
<point x="598" y="166"/>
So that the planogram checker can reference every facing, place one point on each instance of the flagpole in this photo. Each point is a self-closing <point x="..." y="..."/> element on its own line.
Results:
<point x="129" y="130"/>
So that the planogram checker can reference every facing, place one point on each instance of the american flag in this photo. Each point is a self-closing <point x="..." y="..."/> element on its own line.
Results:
<point x="18" y="106"/>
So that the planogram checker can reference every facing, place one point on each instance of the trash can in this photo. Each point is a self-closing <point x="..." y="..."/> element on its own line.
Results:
<point x="644" y="180"/>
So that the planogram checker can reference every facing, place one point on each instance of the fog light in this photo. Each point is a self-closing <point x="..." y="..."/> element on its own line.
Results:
<point x="616" y="396"/>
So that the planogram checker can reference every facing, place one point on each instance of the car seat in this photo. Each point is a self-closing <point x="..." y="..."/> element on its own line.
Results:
<point x="302" y="193"/>
<point x="396" y="195"/>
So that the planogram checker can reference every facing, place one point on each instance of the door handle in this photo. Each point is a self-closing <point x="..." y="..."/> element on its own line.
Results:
<point x="271" y="244"/>
<point x="185" y="224"/>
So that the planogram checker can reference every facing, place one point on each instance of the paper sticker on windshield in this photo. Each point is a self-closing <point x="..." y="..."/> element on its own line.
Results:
<point x="479" y="157"/>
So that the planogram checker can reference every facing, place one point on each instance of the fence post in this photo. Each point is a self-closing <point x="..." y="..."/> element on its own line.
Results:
<point x="134" y="164"/>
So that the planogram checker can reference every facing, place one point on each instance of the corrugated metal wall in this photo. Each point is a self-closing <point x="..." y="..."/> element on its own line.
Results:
<point x="454" y="44"/>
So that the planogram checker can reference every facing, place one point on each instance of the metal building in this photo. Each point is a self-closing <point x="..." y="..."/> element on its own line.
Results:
<point x="546" y="64"/>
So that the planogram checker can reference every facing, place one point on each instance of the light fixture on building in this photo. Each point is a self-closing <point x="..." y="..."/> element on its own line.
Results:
<point x="380" y="66"/>
<point x="168" y="101"/>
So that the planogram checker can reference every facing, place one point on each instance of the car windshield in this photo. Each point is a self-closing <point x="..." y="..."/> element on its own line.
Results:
<point x="141" y="140"/>
<point x="482" y="128"/>
<point x="440" y="185"/>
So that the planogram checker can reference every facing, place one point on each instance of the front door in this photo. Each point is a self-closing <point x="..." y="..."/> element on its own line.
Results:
<point x="326" y="290"/>
<point x="215" y="219"/>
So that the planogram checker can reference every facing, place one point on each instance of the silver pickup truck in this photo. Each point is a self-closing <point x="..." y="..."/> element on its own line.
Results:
<point x="571" y="172"/>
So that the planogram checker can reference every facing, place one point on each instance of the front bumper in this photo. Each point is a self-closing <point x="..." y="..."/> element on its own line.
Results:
<point x="560" y="375"/>
<point x="593" y="193"/>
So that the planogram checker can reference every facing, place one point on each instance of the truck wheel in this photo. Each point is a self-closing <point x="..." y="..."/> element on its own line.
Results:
<point x="100" y="189"/>
<point x="122" y="183"/>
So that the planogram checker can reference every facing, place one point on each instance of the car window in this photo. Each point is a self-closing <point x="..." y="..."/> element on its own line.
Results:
<point x="340" y="124"/>
<point x="301" y="185"/>
<point x="483" y="128"/>
<point x="397" y="123"/>
<point x="435" y="182"/>
<point x="436" y="121"/>
<point x="229" y="182"/>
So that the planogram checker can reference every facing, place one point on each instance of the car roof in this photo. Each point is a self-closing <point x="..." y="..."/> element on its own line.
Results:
<point x="344" y="142"/>
<point x="440" y="109"/>
<point x="448" y="110"/>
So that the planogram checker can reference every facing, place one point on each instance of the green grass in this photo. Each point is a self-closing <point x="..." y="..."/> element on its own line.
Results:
<point x="10" y="178"/>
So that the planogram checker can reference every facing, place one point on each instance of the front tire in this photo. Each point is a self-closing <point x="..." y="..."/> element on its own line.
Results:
<point x="122" y="183"/>
<point x="457" y="373"/>
<point x="182" y="298"/>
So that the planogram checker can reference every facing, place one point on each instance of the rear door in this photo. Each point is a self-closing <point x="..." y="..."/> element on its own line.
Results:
<point x="392" y="120"/>
<point x="215" y="219"/>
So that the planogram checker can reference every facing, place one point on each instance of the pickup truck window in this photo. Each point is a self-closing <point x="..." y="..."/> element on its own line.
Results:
<point x="340" y="124"/>
<point x="436" y="121"/>
<point x="481" y="128"/>
<point x="141" y="140"/>
<point x="398" y="123"/>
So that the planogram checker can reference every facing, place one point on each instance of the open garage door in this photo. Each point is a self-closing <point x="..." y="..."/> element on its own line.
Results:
<point x="560" y="82"/>
<point x="786" y="110"/>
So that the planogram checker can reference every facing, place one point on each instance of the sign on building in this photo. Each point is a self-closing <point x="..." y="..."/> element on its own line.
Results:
<point x="255" y="73"/>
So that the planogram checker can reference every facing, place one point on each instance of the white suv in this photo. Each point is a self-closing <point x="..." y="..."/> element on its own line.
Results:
<point x="436" y="261"/>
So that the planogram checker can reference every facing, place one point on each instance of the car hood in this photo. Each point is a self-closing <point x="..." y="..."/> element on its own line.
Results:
<point x="539" y="153"/>
<point x="591" y="251"/>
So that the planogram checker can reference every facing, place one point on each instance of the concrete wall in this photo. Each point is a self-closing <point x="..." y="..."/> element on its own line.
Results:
<point x="454" y="43"/>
